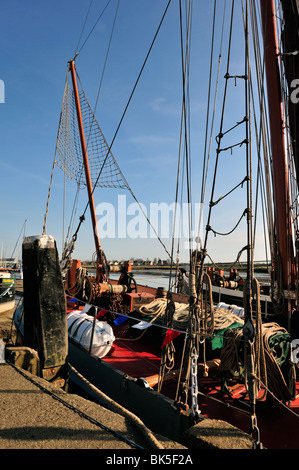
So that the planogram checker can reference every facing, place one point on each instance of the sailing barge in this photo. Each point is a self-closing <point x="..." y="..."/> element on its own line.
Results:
<point x="176" y="360"/>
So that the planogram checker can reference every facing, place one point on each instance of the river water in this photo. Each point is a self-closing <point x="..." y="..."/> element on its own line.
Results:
<point x="160" y="278"/>
<point x="151" y="278"/>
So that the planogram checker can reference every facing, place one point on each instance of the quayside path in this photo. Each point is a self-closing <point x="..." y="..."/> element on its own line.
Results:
<point x="35" y="414"/>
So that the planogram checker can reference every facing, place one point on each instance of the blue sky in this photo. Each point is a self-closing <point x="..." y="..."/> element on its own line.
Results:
<point x="38" y="38"/>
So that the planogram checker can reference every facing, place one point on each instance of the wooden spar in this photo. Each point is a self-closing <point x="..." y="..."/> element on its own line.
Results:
<point x="99" y="274"/>
<point x="278" y="145"/>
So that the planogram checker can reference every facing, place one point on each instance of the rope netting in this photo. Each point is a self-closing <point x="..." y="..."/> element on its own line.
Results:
<point x="68" y="148"/>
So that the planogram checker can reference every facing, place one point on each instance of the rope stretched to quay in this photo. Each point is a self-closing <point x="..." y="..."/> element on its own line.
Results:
<point x="154" y="443"/>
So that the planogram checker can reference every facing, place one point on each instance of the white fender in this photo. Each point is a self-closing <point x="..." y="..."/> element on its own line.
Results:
<point x="80" y="327"/>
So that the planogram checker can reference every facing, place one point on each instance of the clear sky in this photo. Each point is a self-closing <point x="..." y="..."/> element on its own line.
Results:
<point x="38" y="38"/>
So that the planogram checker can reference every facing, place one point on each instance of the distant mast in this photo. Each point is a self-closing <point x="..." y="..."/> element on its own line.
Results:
<point x="285" y="249"/>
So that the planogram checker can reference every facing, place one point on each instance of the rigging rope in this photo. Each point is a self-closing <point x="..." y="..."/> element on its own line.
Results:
<point x="262" y="139"/>
<point x="208" y="106"/>
<point x="92" y="29"/>
<point x="116" y="132"/>
<point x="106" y="58"/>
<point x="209" y="228"/>
<point x="184" y="82"/>
<point x="117" y="408"/>
<point x="114" y="168"/>
<point x="207" y="158"/>
<point x="186" y="68"/>
<point x="204" y="249"/>
<point x="83" y="27"/>
<point x="167" y="358"/>
<point x="229" y="192"/>
<point x="68" y="248"/>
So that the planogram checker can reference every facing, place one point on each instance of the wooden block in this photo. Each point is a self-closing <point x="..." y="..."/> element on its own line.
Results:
<point x="23" y="357"/>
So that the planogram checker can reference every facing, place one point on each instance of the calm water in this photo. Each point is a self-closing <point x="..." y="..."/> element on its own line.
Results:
<point x="159" y="278"/>
<point x="152" y="279"/>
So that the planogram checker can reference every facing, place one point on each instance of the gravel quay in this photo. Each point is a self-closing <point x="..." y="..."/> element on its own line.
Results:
<point x="34" y="414"/>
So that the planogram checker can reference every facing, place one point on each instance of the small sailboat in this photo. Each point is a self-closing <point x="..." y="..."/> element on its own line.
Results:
<point x="7" y="292"/>
<point x="179" y="360"/>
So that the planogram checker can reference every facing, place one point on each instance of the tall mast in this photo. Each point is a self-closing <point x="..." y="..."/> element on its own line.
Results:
<point x="100" y="275"/>
<point x="278" y="146"/>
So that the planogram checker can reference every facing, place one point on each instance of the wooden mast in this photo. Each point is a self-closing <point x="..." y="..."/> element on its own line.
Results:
<point x="278" y="146"/>
<point x="100" y="274"/>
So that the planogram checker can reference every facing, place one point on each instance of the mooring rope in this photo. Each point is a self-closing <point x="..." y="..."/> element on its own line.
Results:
<point x="153" y="441"/>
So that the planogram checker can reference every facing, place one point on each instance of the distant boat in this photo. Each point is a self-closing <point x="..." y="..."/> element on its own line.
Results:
<point x="7" y="291"/>
<point x="16" y="272"/>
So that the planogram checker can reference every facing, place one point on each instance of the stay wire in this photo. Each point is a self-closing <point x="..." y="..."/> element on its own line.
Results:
<point x="54" y="161"/>
<point x="83" y="27"/>
<point x="167" y="358"/>
<point x="74" y="210"/>
<point x="260" y="188"/>
<point x="103" y="71"/>
<point x="185" y="126"/>
<point x="207" y="158"/>
<point x="18" y="239"/>
<point x="102" y="76"/>
<point x="205" y="169"/>
<point x="217" y="152"/>
<point x="106" y="58"/>
<point x="92" y="29"/>
<point x="188" y="29"/>
<point x="208" y="106"/>
<point x="262" y="137"/>
<point x="229" y="192"/>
